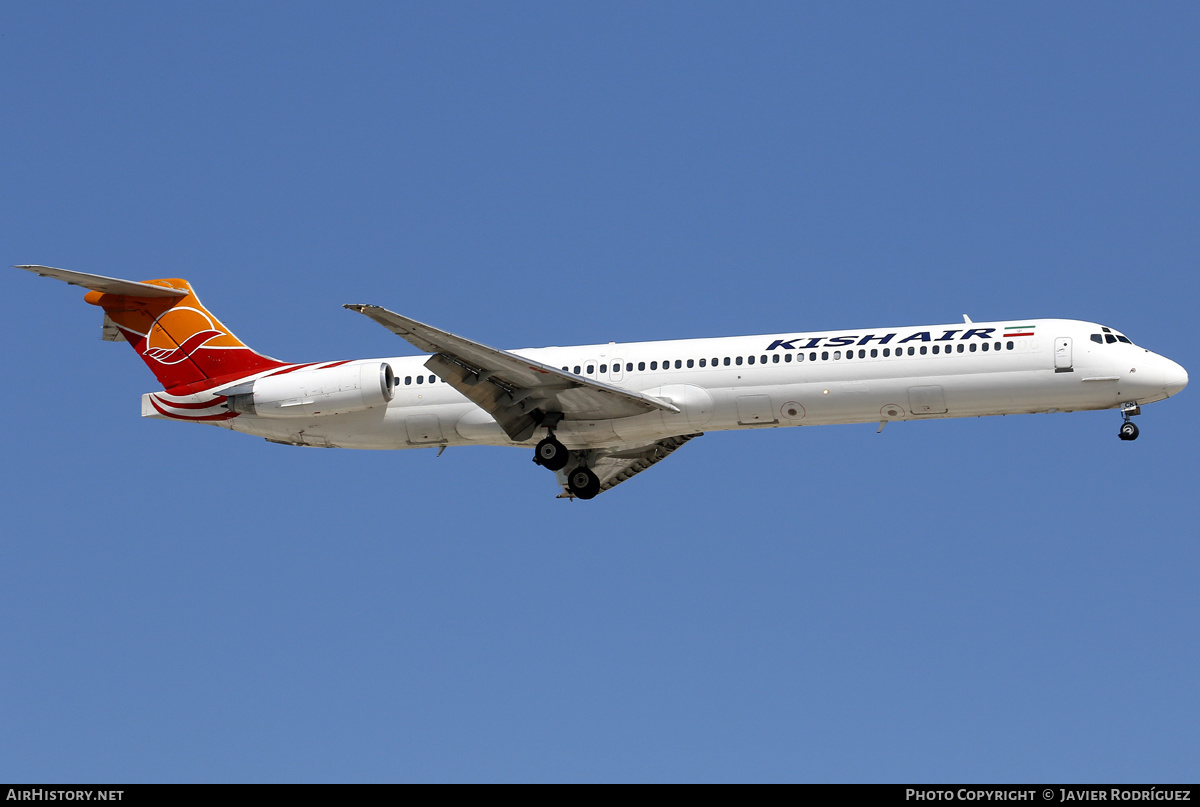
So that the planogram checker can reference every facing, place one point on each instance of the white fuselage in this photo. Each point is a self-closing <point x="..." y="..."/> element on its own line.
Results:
<point x="818" y="378"/>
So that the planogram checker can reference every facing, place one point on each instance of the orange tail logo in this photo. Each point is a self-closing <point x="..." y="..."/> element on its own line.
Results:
<point x="180" y="320"/>
<point x="179" y="340"/>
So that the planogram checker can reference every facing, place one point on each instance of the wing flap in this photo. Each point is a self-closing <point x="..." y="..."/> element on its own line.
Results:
<point x="513" y="416"/>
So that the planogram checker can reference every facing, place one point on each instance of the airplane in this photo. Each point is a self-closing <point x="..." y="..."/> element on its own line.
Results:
<point x="596" y="415"/>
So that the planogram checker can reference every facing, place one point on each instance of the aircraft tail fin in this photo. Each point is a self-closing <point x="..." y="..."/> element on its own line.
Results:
<point x="181" y="342"/>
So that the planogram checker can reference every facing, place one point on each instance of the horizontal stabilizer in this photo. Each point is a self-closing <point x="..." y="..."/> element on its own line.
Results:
<point x="181" y="342"/>
<point x="105" y="285"/>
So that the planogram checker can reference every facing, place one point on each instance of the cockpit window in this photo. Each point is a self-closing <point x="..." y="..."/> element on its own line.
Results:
<point x="1109" y="336"/>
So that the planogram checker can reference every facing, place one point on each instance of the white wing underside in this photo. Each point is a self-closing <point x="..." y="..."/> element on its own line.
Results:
<point x="521" y="394"/>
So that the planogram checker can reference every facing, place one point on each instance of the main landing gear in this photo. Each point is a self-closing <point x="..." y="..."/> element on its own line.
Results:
<point x="551" y="454"/>
<point x="1128" y="430"/>
<point x="582" y="481"/>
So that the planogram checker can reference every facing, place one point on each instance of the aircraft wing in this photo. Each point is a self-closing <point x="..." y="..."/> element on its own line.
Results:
<point x="518" y="392"/>
<point x="615" y="466"/>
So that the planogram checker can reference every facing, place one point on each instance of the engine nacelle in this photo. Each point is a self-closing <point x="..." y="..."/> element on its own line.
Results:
<point x="328" y="391"/>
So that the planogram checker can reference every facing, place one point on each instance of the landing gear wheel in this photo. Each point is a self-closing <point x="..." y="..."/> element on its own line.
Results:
<point x="1128" y="431"/>
<point x="583" y="483"/>
<point x="551" y="454"/>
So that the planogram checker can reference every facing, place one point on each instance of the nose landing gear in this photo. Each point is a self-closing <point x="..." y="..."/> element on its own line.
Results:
<point x="1128" y="430"/>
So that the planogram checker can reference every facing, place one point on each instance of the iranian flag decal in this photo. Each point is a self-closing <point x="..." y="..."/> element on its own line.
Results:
<point x="1019" y="330"/>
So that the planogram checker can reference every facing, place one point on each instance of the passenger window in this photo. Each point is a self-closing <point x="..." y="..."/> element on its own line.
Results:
<point x="591" y="369"/>
<point x="1010" y="345"/>
<point x="874" y="353"/>
<point x="641" y="365"/>
<point x="775" y="358"/>
<point x="727" y="361"/>
<point x="750" y="360"/>
<point x="960" y="347"/>
<point x="924" y="350"/>
<point x="936" y="348"/>
<point x="603" y="368"/>
<point x="985" y="347"/>
<point x="737" y="361"/>
<point x="763" y="360"/>
<point x="420" y="379"/>
<point x="973" y="347"/>
<point x="787" y="357"/>
<point x="799" y="357"/>
<point x="432" y="378"/>
<point x="678" y="364"/>
<point x="837" y="354"/>
<point x="702" y="362"/>
<point x="887" y="351"/>
<point x="824" y="355"/>
<point x="996" y="346"/>
<point x="812" y="356"/>
<point x="653" y="365"/>
<point x="629" y="367"/>
<point x="576" y="370"/>
<point x="407" y="380"/>
<point x="849" y="354"/>
<point x="691" y="363"/>
<point x="912" y="350"/>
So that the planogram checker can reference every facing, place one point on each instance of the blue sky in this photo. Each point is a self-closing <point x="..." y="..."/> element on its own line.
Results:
<point x="1003" y="599"/>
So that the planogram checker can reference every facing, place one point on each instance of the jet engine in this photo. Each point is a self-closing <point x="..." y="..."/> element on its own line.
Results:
<point x="326" y="391"/>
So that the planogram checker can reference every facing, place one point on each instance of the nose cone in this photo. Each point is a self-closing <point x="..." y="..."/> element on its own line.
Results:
<point x="1176" y="377"/>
